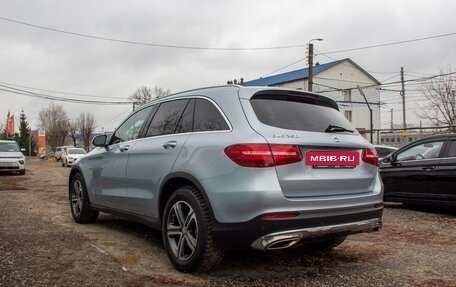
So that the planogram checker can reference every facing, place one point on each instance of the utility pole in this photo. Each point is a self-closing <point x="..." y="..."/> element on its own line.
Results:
<point x="392" y="122"/>
<point x="370" y="114"/>
<point x="310" y="61"/>
<point x="404" y="123"/>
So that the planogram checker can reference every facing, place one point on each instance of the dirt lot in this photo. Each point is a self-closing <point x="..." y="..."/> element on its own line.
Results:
<point x="40" y="245"/>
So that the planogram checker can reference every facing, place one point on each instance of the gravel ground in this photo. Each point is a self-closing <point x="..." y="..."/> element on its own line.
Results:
<point x="40" y="245"/>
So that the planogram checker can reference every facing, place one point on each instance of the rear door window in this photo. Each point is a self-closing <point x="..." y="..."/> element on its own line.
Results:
<point x="294" y="113"/>
<point x="166" y="118"/>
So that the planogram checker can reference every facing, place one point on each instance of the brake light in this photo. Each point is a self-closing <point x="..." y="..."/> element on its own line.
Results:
<point x="263" y="155"/>
<point x="370" y="156"/>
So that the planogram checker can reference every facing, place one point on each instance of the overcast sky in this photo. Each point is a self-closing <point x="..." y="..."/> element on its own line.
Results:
<point x="102" y="70"/>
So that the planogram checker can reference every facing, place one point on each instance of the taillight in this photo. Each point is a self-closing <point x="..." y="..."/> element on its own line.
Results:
<point x="263" y="155"/>
<point x="370" y="156"/>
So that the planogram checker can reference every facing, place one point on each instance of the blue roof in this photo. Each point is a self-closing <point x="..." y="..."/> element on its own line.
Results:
<point x="291" y="76"/>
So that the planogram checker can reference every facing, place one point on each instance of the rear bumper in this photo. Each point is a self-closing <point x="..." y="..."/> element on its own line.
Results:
<point x="285" y="239"/>
<point x="264" y="234"/>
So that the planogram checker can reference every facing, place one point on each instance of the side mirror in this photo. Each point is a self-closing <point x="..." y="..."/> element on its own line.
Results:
<point x="389" y="158"/>
<point x="100" y="140"/>
<point x="22" y="149"/>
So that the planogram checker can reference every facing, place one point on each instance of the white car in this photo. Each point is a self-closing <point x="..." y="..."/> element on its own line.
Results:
<point x="71" y="155"/>
<point x="59" y="152"/>
<point x="11" y="157"/>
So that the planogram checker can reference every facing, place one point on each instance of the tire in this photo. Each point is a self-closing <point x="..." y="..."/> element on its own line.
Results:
<point x="79" y="201"/>
<point x="325" y="245"/>
<point x="187" y="232"/>
<point x="63" y="164"/>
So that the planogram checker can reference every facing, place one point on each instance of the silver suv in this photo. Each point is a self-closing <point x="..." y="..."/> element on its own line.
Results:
<point x="233" y="167"/>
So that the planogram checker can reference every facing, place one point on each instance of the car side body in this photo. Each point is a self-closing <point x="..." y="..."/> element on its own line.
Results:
<point x="221" y="153"/>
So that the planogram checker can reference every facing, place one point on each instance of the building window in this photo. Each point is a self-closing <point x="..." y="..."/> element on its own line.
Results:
<point x="398" y="140"/>
<point x="387" y="140"/>
<point x="348" y="115"/>
<point x="347" y="95"/>
<point x="393" y="140"/>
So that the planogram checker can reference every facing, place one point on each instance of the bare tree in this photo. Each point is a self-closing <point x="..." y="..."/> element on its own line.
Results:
<point x="145" y="94"/>
<point x="160" y="92"/>
<point x="73" y="129"/>
<point x="54" y="120"/>
<point x="440" y="94"/>
<point x="86" y="125"/>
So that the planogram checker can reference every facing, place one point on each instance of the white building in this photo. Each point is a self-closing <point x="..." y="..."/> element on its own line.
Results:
<point x="338" y="80"/>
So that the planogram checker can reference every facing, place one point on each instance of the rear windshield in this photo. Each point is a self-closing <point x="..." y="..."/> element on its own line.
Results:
<point x="294" y="114"/>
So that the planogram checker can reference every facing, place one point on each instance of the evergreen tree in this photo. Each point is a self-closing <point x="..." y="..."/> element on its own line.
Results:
<point x="25" y="139"/>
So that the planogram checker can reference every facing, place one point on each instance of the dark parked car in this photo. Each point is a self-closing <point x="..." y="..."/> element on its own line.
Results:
<point x="422" y="173"/>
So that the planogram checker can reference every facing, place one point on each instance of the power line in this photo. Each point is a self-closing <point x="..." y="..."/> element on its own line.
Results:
<point x="59" y="92"/>
<point x="159" y="45"/>
<point x="214" y="48"/>
<point x="392" y="43"/>
<point x="54" y="98"/>
<point x="286" y="66"/>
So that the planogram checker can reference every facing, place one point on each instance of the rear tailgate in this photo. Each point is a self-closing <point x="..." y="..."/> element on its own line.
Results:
<point x="332" y="163"/>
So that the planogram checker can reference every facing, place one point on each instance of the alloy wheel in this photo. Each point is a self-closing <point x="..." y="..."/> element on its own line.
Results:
<point x="182" y="230"/>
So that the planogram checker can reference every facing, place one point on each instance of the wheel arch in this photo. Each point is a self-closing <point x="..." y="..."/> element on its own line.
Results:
<point x="174" y="181"/>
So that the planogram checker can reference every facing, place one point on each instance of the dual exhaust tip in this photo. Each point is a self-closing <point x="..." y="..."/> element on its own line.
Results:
<point x="286" y="239"/>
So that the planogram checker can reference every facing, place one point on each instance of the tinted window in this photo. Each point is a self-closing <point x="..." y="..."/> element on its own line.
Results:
<point x="208" y="117"/>
<point x="185" y="124"/>
<point x="130" y="129"/>
<point x="427" y="150"/>
<point x="166" y="118"/>
<point x="382" y="152"/>
<point x="452" y="149"/>
<point x="293" y="114"/>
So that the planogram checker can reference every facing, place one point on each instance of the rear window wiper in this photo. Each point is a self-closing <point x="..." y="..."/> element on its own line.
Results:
<point x="335" y="129"/>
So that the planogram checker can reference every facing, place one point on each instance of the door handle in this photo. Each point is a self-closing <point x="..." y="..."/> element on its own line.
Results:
<point x="429" y="168"/>
<point x="170" y="145"/>
<point x="124" y="148"/>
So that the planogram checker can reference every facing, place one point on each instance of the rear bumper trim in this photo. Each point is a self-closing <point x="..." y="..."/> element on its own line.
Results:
<point x="288" y="238"/>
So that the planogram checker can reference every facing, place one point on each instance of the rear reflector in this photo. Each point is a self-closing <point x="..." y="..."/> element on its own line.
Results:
<point x="279" y="215"/>
<point x="263" y="155"/>
<point x="370" y="156"/>
<point x="379" y="205"/>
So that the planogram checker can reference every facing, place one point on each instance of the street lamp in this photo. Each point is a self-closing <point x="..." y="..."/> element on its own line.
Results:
<point x="310" y="60"/>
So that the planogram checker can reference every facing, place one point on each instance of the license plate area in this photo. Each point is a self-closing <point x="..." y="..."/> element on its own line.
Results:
<point x="332" y="159"/>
